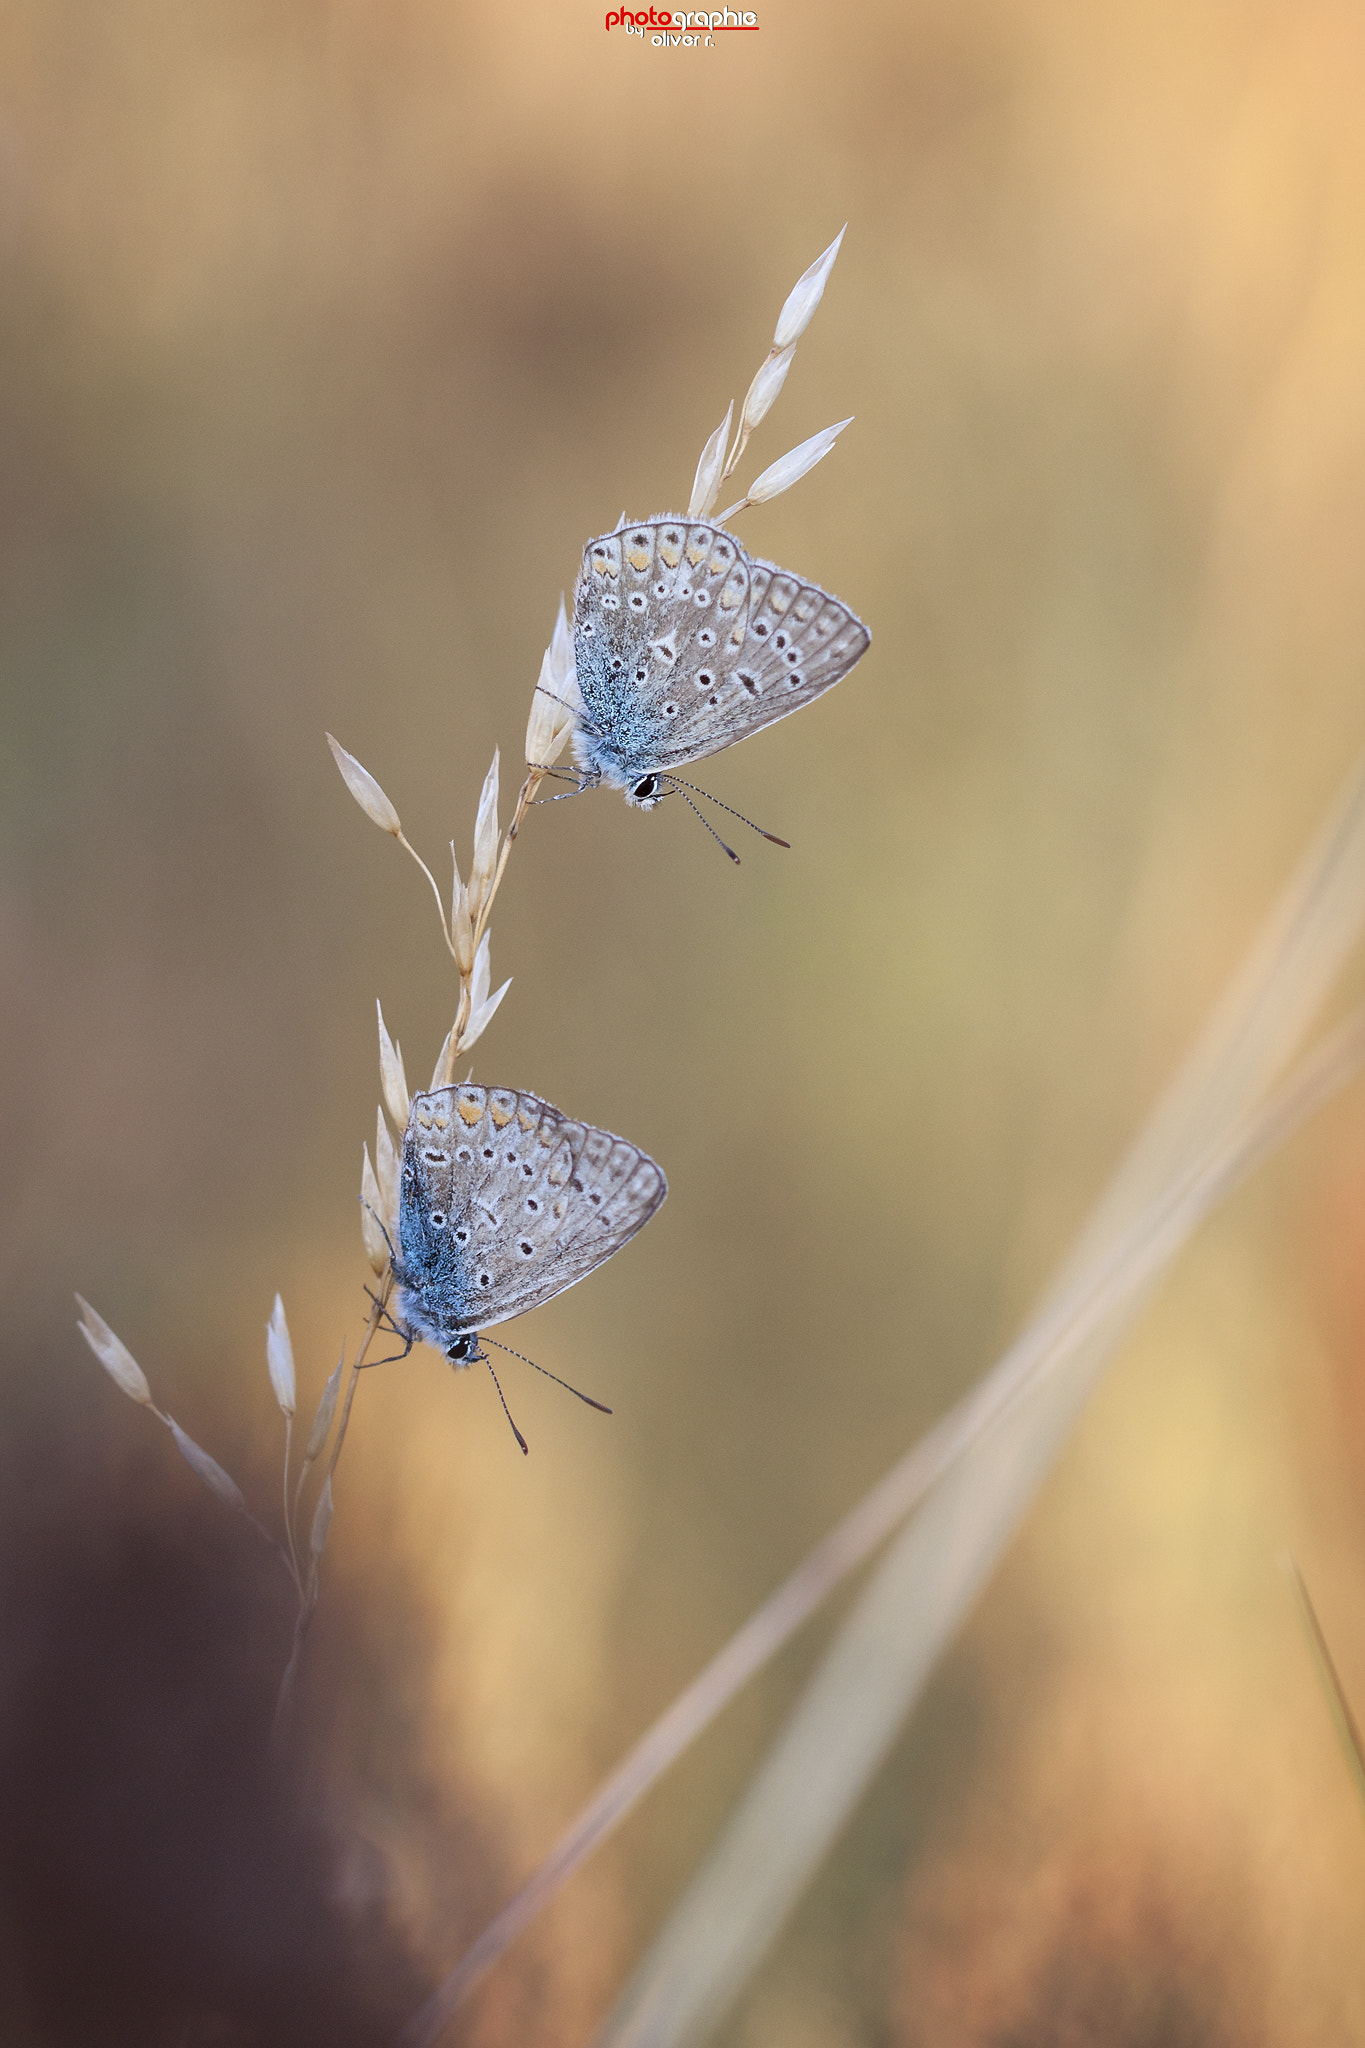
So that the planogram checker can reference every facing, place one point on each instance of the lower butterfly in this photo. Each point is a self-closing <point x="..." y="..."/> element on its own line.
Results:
<point x="684" y="644"/>
<point x="503" y="1202"/>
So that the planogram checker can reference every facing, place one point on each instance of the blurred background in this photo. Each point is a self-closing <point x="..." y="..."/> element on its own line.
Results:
<point x="331" y="331"/>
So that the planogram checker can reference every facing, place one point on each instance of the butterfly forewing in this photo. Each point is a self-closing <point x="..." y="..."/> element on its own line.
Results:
<point x="505" y="1201"/>
<point x="684" y="645"/>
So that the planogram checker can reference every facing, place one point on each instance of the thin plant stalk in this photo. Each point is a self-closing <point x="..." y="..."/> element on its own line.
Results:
<point x="1339" y="1706"/>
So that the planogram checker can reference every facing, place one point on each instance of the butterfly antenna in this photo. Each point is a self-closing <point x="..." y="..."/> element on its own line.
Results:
<point x="525" y="1447"/>
<point x="679" y="784"/>
<point x="600" y="1406"/>
<point x="709" y="826"/>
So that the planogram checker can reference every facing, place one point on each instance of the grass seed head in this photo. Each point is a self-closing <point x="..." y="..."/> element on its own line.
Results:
<point x="485" y="843"/>
<point x="371" y="1213"/>
<point x="322" y="1520"/>
<point x="365" y="790"/>
<point x="114" y="1355"/>
<point x="461" y="924"/>
<point x="386" y="1173"/>
<point x="208" y="1469"/>
<point x="711" y="468"/>
<point x="804" y="296"/>
<point x="279" y="1358"/>
<point x="482" y="1005"/>
<point x="322" y="1421"/>
<point x="392" y="1080"/>
<point x="791" y="467"/>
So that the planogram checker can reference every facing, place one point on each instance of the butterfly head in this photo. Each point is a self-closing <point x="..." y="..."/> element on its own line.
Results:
<point x="464" y="1351"/>
<point x="647" y="791"/>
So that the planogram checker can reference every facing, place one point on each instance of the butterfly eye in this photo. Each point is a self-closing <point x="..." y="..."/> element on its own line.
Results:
<point x="438" y="1217"/>
<point x="528" y="1170"/>
<point x="706" y="638"/>
<point x="793" y="655"/>
<point x="701" y="597"/>
<point x="639" y="675"/>
<point x="462" y="1236"/>
<point x="434" y="1157"/>
<point x="485" y="1279"/>
<point x="533" y="1205"/>
<point x="488" y="1151"/>
<point x="588" y="629"/>
<point x="705" y="679"/>
<point x="526" y="1248"/>
<point x="611" y="604"/>
<point x="464" y="1155"/>
<point x="660" y="588"/>
<point x="795" y="680"/>
<point x="670" y="711"/>
<point x="637" y="602"/>
<point x="761" y="630"/>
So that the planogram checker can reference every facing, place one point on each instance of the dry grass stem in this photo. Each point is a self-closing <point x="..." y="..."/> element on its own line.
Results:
<point x="1343" y="1719"/>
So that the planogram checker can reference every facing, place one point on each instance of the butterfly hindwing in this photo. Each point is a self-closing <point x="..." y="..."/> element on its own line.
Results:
<point x="505" y="1201"/>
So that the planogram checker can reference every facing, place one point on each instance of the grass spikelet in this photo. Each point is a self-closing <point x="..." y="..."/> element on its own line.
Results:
<point x="114" y="1355"/>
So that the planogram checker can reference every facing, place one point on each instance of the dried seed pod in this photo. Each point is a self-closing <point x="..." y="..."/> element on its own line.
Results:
<point x="393" y="1081"/>
<point x="114" y="1355"/>
<point x="711" y="468"/>
<point x="805" y="295"/>
<point x="279" y="1358"/>
<point x="365" y="790"/>
<point x="371" y="1229"/>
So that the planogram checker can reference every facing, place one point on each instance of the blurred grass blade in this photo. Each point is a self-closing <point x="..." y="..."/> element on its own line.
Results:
<point x="1344" y="1721"/>
<point x="860" y="1695"/>
<point x="1200" y="1139"/>
<point x="854" y="1707"/>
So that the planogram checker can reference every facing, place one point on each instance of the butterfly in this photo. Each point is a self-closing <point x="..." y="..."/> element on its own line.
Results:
<point x="684" y="644"/>
<point x="503" y="1202"/>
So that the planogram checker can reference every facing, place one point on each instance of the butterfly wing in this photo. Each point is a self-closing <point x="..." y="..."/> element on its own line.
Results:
<point x="654" y="606"/>
<point x="506" y="1201"/>
<point x="685" y="645"/>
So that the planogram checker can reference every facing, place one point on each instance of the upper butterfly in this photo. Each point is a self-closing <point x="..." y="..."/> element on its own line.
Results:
<point x="683" y="644"/>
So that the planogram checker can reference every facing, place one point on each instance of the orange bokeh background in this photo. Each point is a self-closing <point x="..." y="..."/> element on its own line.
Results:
<point x="332" y="330"/>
